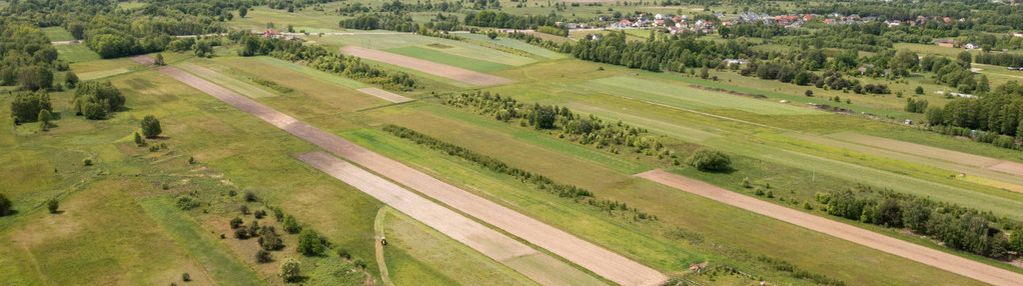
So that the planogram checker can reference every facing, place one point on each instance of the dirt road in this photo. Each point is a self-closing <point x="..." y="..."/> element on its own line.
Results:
<point x="603" y="262"/>
<point x="385" y="95"/>
<point x="938" y="259"/>
<point x="442" y="70"/>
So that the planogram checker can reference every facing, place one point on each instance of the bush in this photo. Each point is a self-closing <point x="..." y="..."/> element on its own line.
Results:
<point x="95" y="100"/>
<point x="291" y="225"/>
<point x="309" y="243"/>
<point x="241" y="233"/>
<point x="259" y="214"/>
<point x="710" y="161"/>
<point x="291" y="270"/>
<point x="186" y="203"/>
<point x="27" y="106"/>
<point x="236" y="222"/>
<point x="185" y="277"/>
<point x="52" y="205"/>
<point x="251" y="197"/>
<point x="269" y="240"/>
<point x="151" y="127"/>
<point x="5" y="205"/>
<point x="343" y="253"/>
<point x="263" y="256"/>
<point x="87" y="162"/>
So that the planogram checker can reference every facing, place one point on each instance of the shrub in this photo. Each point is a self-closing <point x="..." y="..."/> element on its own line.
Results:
<point x="185" y="277"/>
<point x="309" y="243"/>
<point x="291" y="225"/>
<point x="291" y="270"/>
<point x="186" y="203"/>
<point x="244" y="209"/>
<point x="251" y="197"/>
<point x="27" y="106"/>
<point x="263" y="256"/>
<point x="87" y="162"/>
<point x="95" y="100"/>
<point x="710" y="161"/>
<point x="259" y="214"/>
<point x="52" y="205"/>
<point x="236" y="222"/>
<point x="343" y="253"/>
<point x="269" y="240"/>
<point x="241" y="233"/>
<point x="5" y="205"/>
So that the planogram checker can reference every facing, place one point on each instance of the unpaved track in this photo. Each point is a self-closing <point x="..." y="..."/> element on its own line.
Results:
<point x="938" y="259"/>
<point x="442" y="70"/>
<point x="603" y="262"/>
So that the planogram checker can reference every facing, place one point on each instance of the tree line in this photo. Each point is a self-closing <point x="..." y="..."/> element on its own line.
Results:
<point x="500" y="19"/>
<point x="997" y="114"/>
<point x="318" y="57"/>
<point x="540" y="182"/>
<point x="956" y="227"/>
<point x="26" y="57"/>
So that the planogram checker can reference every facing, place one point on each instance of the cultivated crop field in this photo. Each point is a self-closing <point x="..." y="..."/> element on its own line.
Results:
<point x="215" y="154"/>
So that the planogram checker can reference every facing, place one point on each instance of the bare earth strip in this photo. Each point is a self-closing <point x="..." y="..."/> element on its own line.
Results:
<point x="603" y="262"/>
<point x="442" y="70"/>
<point x="1004" y="166"/>
<point x="935" y="258"/>
<point x="385" y="95"/>
<point x="460" y="228"/>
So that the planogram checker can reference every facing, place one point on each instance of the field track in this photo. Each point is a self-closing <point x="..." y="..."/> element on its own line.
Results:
<point x="935" y="258"/>
<point x="603" y="262"/>
<point x="442" y="70"/>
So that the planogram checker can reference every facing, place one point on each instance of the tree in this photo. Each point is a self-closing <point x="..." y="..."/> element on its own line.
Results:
<point x="35" y="77"/>
<point x="291" y="270"/>
<point x="492" y="35"/>
<point x="138" y="140"/>
<point x="5" y="205"/>
<point x="44" y="119"/>
<point x="808" y="93"/>
<point x="935" y="116"/>
<point x="269" y="240"/>
<point x="27" y="106"/>
<point x="52" y="205"/>
<point x="704" y="73"/>
<point x="151" y="127"/>
<point x="309" y="243"/>
<point x="95" y="100"/>
<point x="70" y="79"/>
<point x="158" y="60"/>
<point x="236" y="222"/>
<point x="710" y="160"/>
<point x="203" y="49"/>
<point x="242" y="11"/>
<point x="291" y="225"/>
<point x="919" y="90"/>
<point x="965" y="58"/>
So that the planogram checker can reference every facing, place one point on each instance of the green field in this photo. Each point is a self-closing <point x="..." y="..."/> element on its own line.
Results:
<point x="437" y="56"/>
<point x="687" y="97"/>
<point x="57" y="34"/>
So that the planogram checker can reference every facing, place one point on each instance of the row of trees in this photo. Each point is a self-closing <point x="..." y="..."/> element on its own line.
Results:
<point x="539" y="181"/>
<point x="997" y="112"/>
<point x="658" y="52"/>
<point x="956" y="227"/>
<point x="390" y="22"/>
<point x="319" y="58"/>
<point x="1000" y="59"/>
<point x="500" y="19"/>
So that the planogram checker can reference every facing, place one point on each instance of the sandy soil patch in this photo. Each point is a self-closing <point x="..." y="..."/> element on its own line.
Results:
<point x="385" y="95"/>
<point x="442" y="70"/>
<point x="935" y="258"/>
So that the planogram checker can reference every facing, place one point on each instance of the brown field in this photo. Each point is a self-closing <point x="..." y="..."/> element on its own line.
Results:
<point x="603" y="262"/>
<point x="935" y="258"/>
<point x="385" y="95"/>
<point x="442" y="70"/>
<point x="1004" y="166"/>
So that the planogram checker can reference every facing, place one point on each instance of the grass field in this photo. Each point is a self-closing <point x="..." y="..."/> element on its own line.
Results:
<point x="688" y="97"/>
<point x="517" y="45"/>
<point x="435" y="55"/>
<point x="309" y="20"/>
<point x="393" y="40"/>
<point x="57" y="34"/>
<point x="73" y="53"/>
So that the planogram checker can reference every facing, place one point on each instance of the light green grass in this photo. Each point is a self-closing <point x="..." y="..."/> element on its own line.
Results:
<point x="516" y="44"/>
<point x="688" y="97"/>
<point x="56" y="34"/>
<point x="383" y="40"/>
<point x="309" y="20"/>
<point x="73" y="53"/>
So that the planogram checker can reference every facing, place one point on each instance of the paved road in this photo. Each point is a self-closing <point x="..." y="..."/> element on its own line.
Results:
<point x="603" y="262"/>
<point x="948" y="262"/>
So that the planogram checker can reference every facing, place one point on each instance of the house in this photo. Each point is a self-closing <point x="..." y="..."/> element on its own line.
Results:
<point x="730" y="62"/>
<point x="971" y="46"/>
<point x="270" y="33"/>
<point x="946" y="43"/>
<point x="893" y="23"/>
<point x="1017" y="34"/>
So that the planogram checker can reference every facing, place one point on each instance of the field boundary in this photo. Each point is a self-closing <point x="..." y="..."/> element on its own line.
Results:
<point x="941" y="260"/>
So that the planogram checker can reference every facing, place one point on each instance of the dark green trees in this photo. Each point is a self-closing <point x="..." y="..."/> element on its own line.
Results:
<point x="71" y="79"/>
<point x="151" y="127"/>
<point x="26" y="106"/>
<point x="53" y="205"/>
<point x="309" y="243"/>
<point x="96" y="100"/>
<point x="35" y="77"/>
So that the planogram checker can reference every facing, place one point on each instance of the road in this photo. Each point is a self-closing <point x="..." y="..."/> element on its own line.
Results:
<point x="948" y="262"/>
<point x="607" y="264"/>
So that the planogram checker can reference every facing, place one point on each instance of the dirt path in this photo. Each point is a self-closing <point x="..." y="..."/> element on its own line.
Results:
<point x="378" y="228"/>
<point x="442" y="70"/>
<point x="603" y="262"/>
<point x="385" y="95"/>
<point x="935" y="258"/>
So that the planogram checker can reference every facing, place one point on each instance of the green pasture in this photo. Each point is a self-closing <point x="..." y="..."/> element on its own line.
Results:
<point x="517" y="45"/>
<point x="435" y="55"/>
<point x="73" y="53"/>
<point x="385" y="40"/>
<point x="309" y="19"/>
<point x="687" y="97"/>
<point x="57" y="34"/>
